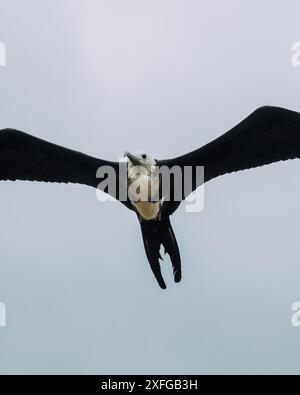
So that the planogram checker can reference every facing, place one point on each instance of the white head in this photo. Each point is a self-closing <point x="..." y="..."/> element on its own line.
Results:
<point x="141" y="159"/>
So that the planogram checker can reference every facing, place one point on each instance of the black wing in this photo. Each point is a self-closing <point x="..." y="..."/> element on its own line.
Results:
<point x="24" y="157"/>
<point x="269" y="134"/>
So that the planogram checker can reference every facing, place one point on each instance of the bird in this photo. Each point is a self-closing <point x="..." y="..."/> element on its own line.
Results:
<point x="269" y="134"/>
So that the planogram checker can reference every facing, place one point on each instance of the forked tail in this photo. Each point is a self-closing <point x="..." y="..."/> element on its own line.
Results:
<point x="156" y="233"/>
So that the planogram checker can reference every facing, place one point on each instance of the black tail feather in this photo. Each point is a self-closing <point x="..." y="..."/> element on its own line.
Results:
<point x="157" y="233"/>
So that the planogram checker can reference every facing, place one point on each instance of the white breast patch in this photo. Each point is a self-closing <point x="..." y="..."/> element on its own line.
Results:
<point x="142" y="187"/>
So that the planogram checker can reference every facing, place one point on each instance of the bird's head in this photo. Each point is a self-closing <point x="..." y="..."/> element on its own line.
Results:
<point x="141" y="159"/>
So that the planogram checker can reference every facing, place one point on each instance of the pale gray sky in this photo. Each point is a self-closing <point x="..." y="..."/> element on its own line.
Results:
<point x="166" y="76"/>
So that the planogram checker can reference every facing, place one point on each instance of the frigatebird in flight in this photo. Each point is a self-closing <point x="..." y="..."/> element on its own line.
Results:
<point x="269" y="134"/>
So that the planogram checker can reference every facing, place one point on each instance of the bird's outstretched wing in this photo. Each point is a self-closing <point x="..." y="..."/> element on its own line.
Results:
<point x="24" y="157"/>
<point x="269" y="134"/>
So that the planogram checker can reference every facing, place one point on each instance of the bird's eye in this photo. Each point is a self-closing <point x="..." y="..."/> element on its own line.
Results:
<point x="144" y="156"/>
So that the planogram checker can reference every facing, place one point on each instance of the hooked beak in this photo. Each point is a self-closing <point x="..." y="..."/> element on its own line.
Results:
<point x="135" y="160"/>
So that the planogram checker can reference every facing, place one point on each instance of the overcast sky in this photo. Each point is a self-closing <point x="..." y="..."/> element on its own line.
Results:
<point x="166" y="76"/>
